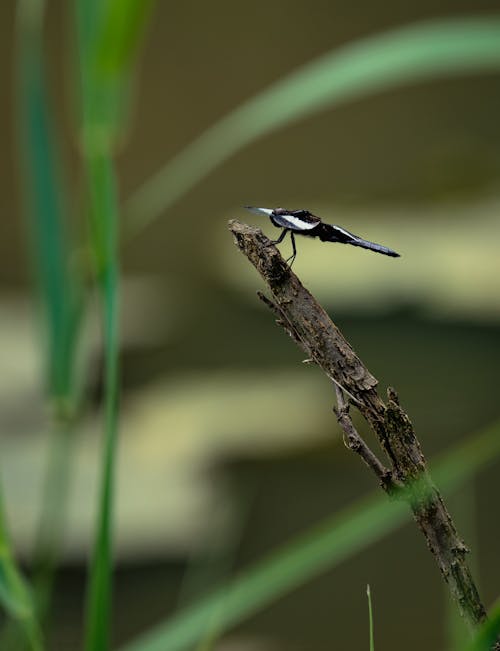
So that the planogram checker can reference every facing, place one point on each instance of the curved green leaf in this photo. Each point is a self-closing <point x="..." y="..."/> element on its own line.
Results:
<point x="403" y="56"/>
<point x="322" y="548"/>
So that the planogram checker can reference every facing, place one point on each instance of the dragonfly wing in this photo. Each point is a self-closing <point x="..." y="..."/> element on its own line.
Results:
<point x="293" y="221"/>
<point x="259" y="211"/>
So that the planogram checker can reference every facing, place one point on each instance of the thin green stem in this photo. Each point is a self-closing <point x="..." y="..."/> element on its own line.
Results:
<point x="370" y="617"/>
<point x="104" y="226"/>
<point x="108" y="34"/>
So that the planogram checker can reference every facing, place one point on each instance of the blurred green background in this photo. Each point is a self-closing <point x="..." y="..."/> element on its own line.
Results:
<point x="228" y="445"/>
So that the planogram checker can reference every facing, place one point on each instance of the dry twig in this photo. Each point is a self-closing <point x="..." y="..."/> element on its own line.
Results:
<point x="407" y="476"/>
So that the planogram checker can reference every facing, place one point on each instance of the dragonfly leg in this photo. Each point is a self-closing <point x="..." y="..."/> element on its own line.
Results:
<point x="280" y="238"/>
<point x="294" y="254"/>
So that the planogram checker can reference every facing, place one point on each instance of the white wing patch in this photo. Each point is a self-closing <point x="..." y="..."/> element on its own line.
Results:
<point x="298" y="223"/>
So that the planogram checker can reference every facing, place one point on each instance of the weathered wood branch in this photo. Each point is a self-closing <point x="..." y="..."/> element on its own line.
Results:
<point x="407" y="476"/>
<point x="355" y="442"/>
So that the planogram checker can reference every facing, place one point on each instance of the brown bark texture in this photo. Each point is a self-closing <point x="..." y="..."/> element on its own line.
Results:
<point x="404" y="473"/>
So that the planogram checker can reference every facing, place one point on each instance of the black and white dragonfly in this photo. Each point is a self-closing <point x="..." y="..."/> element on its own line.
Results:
<point x="302" y="222"/>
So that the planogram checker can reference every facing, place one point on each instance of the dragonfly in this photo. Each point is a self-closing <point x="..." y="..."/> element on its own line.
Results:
<point x="303" y="222"/>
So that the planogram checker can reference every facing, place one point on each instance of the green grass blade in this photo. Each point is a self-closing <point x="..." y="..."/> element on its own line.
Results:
<point x="324" y="547"/>
<point x="402" y="56"/>
<point x="370" y="617"/>
<point x="45" y="207"/>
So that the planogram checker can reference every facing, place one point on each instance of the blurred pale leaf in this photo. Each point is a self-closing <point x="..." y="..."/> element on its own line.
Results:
<point x="186" y="426"/>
